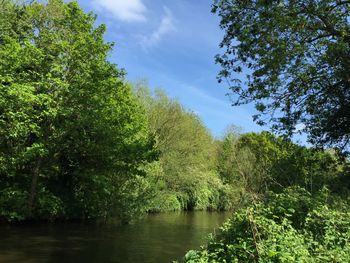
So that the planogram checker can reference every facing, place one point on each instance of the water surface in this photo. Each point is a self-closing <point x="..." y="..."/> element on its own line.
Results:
<point x="156" y="238"/>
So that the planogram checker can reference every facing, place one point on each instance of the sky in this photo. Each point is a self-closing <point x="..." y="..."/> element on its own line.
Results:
<point x="172" y="44"/>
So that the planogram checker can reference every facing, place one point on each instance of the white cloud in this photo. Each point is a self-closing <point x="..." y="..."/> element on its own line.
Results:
<point x="166" y="26"/>
<point x="124" y="10"/>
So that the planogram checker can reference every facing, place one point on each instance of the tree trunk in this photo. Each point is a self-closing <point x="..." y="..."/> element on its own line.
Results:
<point x="33" y="188"/>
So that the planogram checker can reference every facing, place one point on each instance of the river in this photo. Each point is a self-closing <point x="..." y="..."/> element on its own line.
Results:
<point x="156" y="238"/>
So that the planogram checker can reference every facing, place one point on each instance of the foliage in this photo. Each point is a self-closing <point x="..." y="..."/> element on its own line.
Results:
<point x="187" y="156"/>
<point x="262" y="162"/>
<point x="296" y="58"/>
<point x="72" y="136"/>
<point x="13" y="203"/>
<point x="174" y="128"/>
<point x="49" y="206"/>
<point x="166" y="201"/>
<point x="293" y="203"/>
<point x="279" y="231"/>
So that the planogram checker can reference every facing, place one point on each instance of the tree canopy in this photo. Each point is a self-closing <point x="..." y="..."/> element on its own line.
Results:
<point x="187" y="155"/>
<point x="296" y="58"/>
<point x="72" y="136"/>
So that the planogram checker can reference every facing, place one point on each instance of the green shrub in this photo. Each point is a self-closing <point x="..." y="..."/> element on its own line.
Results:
<point x="13" y="204"/>
<point x="328" y="232"/>
<point x="165" y="202"/>
<point x="49" y="205"/>
<point x="291" y="226"/>
<point x="222" y="196"/>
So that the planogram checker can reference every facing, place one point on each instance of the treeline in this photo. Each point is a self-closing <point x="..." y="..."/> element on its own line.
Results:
<point x="187" y="174"/>
<point x="294" y="203"/>
<point x="79" y="142"/>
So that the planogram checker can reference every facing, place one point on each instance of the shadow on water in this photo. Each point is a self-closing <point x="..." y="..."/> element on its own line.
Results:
<point x="156" y="238"/>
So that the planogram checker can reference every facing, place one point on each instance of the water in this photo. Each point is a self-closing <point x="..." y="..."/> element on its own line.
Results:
<point x="156" y="238"/>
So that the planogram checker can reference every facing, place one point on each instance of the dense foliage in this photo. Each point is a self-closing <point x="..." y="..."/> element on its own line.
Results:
<point x="77" y="142"/>
<point x="291" y="226"/>
<point x="295" y="199"/>
<point x="295" y="55"/>
<point x="73" y="140"/>
<point x="293" y="205"/>
<point x="189" y="178"/>
<point x="262" y="162"/>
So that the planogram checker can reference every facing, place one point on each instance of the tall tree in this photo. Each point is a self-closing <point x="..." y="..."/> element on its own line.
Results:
<point x="296" y="56"/>
<point x="187" y="152"/>
<point x="70" y="129"/>
<point x="184" y="142"/>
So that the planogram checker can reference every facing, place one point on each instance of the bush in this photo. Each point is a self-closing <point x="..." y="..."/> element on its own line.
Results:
<point x="203" y="191"/>
<point x="165" y="202"/>
<point x="328" y="233"/>
<point x="13" y="204"/>
<point x="288" y="227"/>
<point x="49" y="205"/>
<point x="222" y="196"/>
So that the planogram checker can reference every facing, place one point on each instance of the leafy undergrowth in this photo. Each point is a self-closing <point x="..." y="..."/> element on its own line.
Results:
<point x="292" y="226"/>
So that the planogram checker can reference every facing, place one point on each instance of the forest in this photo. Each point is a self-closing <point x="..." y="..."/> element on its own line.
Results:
<point x="78" y="142"/>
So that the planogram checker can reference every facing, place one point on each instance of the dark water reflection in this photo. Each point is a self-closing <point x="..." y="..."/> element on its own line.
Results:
<point x="157" y="238"/>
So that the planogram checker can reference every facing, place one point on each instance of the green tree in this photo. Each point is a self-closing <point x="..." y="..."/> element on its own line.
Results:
<point x="296" y="58"/>
<point x="72" y="136"/>
<point x="281" y="163"/>
<point x="187" y="153"/>
<point x="261" y="162"/>
<point x="227" y="155"/>
<point x="175" y="129"/>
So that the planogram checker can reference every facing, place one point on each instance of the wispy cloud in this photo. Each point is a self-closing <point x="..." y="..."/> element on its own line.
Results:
<point x="217" y="109"/>
<point x="124" y="10"/>
<point x="205" y="96"/>
<point x="165" y="27"/>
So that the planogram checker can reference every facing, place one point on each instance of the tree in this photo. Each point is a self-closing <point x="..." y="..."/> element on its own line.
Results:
<point x="187" y="155"/>
<point x="279" y="163"/>
<point x="257" y="163"/>
<point x="182" y="139"/>
<point x="297" y="58"/>
<point x="72" y="136"/>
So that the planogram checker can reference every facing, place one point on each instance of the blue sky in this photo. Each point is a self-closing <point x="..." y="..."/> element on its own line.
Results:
<point x="172" y="45"/>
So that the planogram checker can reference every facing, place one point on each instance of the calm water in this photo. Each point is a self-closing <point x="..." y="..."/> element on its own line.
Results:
<point x="157" y="238"/>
